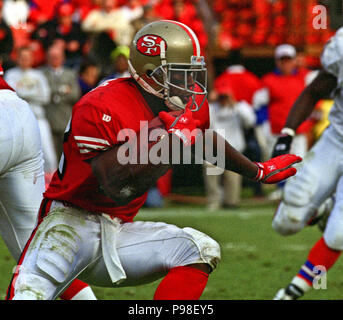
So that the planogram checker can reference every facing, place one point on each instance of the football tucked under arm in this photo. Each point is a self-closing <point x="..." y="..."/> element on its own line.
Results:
<point x="120" y="179"/>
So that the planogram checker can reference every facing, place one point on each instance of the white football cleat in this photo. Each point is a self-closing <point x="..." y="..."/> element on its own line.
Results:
<point x="281" y="295"/>
<point x="292" y="292"/>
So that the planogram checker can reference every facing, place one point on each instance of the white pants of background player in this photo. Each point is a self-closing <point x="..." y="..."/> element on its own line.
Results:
<point x="48" y="146"/>
<point x="72" y="243"/>
<point x="319" y="175"/>
<point x="21" y="171"/>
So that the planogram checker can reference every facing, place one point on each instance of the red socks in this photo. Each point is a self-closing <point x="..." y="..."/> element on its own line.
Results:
<point x="182" y="283"/>
<point x="321" y="254"/>
<point x="74" y="289"/>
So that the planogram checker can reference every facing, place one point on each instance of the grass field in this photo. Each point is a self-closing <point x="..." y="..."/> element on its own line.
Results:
<point x="256" y="261"/>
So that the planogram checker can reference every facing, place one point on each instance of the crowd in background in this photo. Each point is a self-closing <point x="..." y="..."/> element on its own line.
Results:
<point x="55" y="51"/>
<point x="91" y="28"/>
<point x="264" y="22"/>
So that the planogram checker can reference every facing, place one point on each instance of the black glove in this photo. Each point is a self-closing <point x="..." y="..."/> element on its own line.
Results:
<point x="282" y="146"/>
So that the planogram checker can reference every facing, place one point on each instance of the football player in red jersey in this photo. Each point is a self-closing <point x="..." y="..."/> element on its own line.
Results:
<point x="86" y="226"/>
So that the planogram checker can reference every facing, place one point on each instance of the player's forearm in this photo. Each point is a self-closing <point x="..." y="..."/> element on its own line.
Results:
<point x="271" y="171"/>
<point x="237" y="162"/>
<point x="320" y="88"/>
<point x="233" y="159"/>
<point x="301" y="110"/>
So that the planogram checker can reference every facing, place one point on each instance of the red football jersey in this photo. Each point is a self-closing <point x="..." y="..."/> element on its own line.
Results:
<point x="242" y="82"/>
<point x="95" y="123"/>
<point x="284" y="91"/>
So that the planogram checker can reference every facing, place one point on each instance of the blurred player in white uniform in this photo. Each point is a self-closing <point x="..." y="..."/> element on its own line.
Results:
<point x="22" y="176"/>
<point x="21" y="170"/>
<point x="320" y="174"/>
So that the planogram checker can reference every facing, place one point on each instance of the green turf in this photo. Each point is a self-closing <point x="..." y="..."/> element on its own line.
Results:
<point x="256" y="261"/>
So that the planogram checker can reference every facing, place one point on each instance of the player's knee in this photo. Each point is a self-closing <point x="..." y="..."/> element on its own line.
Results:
<point x="288" y="219"/>
<point x="334" y="240"/>
<point x="29" y="286"/>
<point x="293" y="211"/>
<point x="57" y="252"/>
<point x="208" y="250"/>
<point x="333" y="234"/>
<point x="26" y="295"/>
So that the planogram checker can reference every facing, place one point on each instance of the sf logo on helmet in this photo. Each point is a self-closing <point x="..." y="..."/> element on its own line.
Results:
<point x="149" y="45"/>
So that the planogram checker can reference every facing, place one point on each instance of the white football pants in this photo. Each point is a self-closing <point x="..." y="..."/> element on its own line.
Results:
<point x="319" y="175"/>
<point x="72" y="243"/>
<point x="21" y="171"/>
<point x="48" y="146"/>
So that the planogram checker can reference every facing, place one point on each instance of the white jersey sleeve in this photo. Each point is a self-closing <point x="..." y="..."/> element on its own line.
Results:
<point x="332" y="62"/>
<point x="332" y="56"/>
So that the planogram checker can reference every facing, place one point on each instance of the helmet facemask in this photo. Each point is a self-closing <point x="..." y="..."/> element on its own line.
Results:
<point x="182" y="83"/>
